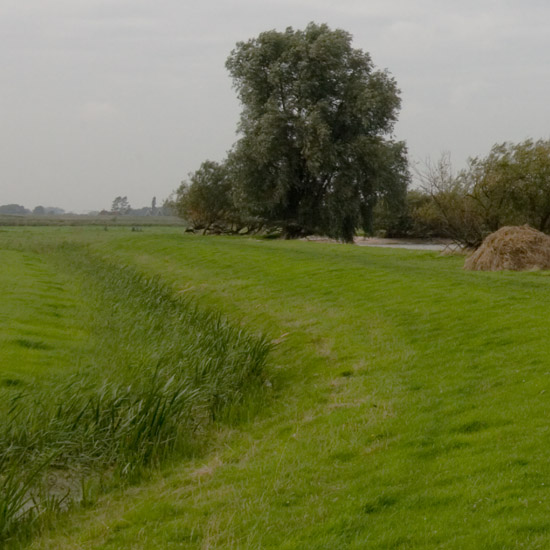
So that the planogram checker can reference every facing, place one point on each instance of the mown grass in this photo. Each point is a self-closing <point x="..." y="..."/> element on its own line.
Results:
<point x="39" y="336"/>
<point x="163" y="370"/>
<point x="411" y="412"/>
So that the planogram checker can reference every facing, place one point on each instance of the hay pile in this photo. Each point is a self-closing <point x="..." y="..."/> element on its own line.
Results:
<point x="517" y="248"/>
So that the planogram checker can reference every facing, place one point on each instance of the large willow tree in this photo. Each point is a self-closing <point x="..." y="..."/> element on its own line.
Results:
<point x="315" y="151"/>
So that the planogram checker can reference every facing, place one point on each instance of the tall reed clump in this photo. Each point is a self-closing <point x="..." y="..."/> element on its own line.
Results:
<point x="167" y="368"/>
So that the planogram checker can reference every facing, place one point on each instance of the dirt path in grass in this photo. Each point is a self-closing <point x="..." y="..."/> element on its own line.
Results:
<point x="438" y="245"/>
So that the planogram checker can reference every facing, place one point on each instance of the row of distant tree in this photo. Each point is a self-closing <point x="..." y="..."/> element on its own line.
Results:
<point x="119" y="207"/>
<point x="18" y="209"/>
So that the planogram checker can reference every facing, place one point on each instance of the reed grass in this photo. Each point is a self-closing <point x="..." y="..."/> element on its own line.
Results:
<point x="164" y="370"/>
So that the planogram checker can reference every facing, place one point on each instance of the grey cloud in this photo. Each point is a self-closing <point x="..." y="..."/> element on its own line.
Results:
<point x="125" y="97"/>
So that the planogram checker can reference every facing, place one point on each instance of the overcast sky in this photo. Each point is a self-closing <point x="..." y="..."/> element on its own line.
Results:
<point x="100" y="98"/>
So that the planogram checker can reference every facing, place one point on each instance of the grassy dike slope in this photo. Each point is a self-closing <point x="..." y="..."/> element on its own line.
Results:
<point x="412" y="405"/>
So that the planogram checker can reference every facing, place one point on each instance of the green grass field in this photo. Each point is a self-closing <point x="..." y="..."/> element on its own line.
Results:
<point x="409" y="404"/>
<point x="39" y="335"/>
<point x="79" y="220"/>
